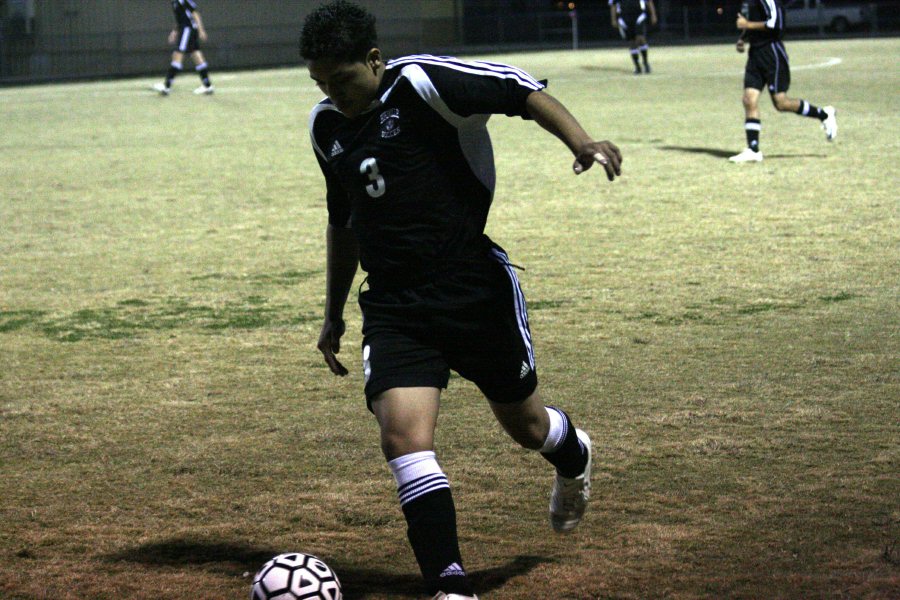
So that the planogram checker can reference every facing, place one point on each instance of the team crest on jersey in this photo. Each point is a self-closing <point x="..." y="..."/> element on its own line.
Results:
<point x="390" y="123"/>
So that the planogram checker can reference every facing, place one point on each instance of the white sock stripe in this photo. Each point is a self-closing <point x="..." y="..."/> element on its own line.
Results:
<point x="423" y="486"/>
<point x="558" y="430"/>
<point x="416" y="474"/>
<point x="415" y="465"/>
<point x="753" y="126"/>
<point x="804" y="107"/>
<point x="635" y="51"/>
<point x="644" y="47"/>
<point x="202" y="66"/>
<point x="177" y="65"/>
<point x="415" y="483"/>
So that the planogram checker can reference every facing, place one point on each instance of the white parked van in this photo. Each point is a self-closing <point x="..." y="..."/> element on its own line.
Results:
<point x="807" y="14"/>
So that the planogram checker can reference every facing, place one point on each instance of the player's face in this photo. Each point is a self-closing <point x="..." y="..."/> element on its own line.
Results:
<point x="352" y="86"/>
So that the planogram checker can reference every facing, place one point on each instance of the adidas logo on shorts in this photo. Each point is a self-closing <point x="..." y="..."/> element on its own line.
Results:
<point x="524" y="371"/>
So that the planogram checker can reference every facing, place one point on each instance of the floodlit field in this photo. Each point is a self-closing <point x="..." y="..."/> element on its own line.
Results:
<point x="729" y="335"/>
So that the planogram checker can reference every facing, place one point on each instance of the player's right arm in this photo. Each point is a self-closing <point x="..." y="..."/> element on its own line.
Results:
<point x="549" y="113"/>
<point x="613" y="14"/>
<point x="342" y="259"/>
<point x="201" y="30"/>
<point x="652" y="8"/>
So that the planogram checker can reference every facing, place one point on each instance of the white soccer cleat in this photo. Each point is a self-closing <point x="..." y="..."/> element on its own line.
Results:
<point x="569" y="497"/>
<point x="161" y="88"/>
<point x="747" y="155"/>
<point x="830" y="123"/>
<point x="204" y="89"/>
<point x="443" y="596"/>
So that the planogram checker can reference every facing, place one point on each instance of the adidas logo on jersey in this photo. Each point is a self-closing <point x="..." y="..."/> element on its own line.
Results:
<point x="336" y="149"/>
<point x="454" y="570"/>
<point x="524" y="370"/>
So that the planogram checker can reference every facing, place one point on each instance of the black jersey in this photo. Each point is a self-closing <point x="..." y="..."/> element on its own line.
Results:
<point x="629" y="10"/>
<point x="769" y="11"/>
<point x="184" y="13"/>
<point x="414" y="174"/>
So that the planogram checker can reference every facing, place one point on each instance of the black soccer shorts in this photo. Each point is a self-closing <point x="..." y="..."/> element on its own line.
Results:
<point x="632" y="25"/>
<point x="472" y="320"/>
<point x="768" y="68"/>
<point x="188" y="40"/>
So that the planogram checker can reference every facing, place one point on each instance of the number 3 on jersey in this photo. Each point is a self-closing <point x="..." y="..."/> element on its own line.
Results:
<point x="370" y="167"/>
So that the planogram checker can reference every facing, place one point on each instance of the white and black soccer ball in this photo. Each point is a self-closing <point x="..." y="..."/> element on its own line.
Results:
<point x="295" y="576"/>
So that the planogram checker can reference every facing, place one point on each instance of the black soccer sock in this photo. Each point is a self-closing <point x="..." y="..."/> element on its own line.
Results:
<point x="808" y="110"/>
<point x="174" y="70"/>
<point x="431" y="522"/>
<point x="203" y="71"/>
<point x="635" y="57"/>
<point x="644" y="49"/>
<point x="562" y="448"/>
<point x="752" y="128"/>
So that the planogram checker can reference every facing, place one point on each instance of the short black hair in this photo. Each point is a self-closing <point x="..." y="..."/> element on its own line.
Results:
<point x="338" y="30"/>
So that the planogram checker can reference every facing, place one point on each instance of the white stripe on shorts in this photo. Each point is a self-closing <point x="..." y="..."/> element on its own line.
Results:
<point x="519" y="298"/>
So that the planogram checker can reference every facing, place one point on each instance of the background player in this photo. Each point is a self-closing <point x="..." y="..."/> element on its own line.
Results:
<point x="187" y="34"/>
<point x="409" y="174"/>
<point x="767" y="64"/>
<point x="630" y="18"/>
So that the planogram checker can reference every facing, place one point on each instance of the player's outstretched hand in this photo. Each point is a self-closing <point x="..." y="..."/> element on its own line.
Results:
<point x="606" y="153"/>
<point x="330" y="344"/>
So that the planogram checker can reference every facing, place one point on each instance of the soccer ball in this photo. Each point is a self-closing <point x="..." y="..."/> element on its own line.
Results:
<point x="295" y="576"/>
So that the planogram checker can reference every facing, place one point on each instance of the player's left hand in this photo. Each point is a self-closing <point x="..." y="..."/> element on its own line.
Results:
<point x="741" y="21"/>
<point x="605" y="153"/>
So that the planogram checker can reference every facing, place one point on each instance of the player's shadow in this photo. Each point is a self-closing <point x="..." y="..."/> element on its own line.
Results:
<point x="696" y="150"/>
<point x="606" y="69"/>
<point x="727" y="153"/>
<point x="358" y="582"/>
<point x="236" y="559"/>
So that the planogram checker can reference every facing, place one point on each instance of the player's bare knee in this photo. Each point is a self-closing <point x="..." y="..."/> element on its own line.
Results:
<point x="395" y="444"/>
<point x="782" y="104"/>
<point x="749" y="101"/>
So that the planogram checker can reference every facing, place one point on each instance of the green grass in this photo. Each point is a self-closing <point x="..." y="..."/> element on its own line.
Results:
<point x="727" y="333"/>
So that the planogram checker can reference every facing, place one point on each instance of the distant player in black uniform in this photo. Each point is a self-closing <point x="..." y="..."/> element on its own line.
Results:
<point x="762" y="25"/>
<point x="409" y="173"/>
<point x="630" y="18"/>
<point x="187" y="35"/>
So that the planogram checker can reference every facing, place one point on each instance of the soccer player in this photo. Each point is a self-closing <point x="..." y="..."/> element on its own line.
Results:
<point x="409" y="172"/>
<point x="630" y="18"/>
<point x="187" y="34"/>
<point x="762" y="26"/>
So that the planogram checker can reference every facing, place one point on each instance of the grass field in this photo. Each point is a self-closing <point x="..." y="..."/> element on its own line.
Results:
<point x="729" y="334"/>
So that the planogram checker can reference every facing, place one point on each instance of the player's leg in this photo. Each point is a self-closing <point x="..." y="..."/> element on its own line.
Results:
<point x="407" y="418"/>
<point x="641" y="39"/>
<point x="203" y="71"/>
<point x="634" y="48"/>
<point x="551" y="431"/>
<point x="825" y="115"/>
<point x="489" y="343"/>
<point x="175" y="66"/>
<point x="752" y="127"/>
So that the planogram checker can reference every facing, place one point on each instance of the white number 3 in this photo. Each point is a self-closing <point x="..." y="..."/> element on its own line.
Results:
<point x="370" y="167"/>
